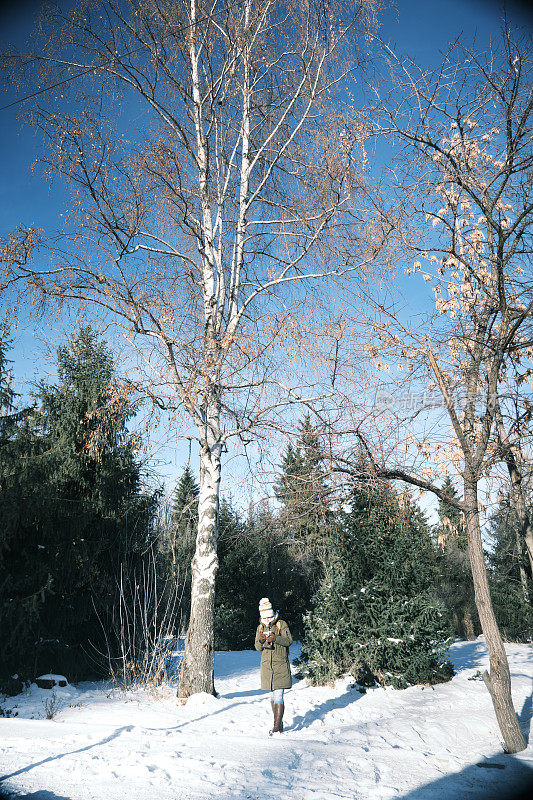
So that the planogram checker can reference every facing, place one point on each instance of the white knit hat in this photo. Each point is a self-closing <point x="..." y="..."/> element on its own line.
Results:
<point x="265" y="608"/>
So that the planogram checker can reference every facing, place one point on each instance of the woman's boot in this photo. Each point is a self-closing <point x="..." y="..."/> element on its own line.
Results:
<point x="273" y="706"/>
<point x="278" y="717"/>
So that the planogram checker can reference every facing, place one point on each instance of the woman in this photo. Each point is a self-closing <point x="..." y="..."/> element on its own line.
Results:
<point x="273" y="638"/>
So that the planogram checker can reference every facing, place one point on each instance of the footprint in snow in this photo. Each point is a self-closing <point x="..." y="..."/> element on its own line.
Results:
<point x="295" y="763"/>
<point x="267" y="773"/>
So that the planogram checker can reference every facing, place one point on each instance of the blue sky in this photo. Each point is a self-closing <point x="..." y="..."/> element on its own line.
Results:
<point x="420" y="29"/>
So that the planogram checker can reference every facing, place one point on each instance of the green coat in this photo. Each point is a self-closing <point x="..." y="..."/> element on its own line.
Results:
<point x="275" y="669"/>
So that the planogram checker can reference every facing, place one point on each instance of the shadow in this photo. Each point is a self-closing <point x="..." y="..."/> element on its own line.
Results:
<point x="467" y="655"/>
<point x="45" y="795"/>
<point x="320" y="711"/>
<point x="42" y="794"/>
<point x="108" y="739"/>
<point x="525" y="716"/>
<point x="226" y="668"/>
<point x="260" y="693"/>
<point x="474" y="654"/>
<point x="502" y="777"/>
<point x="250" y="693"/>
<point x="181" y="725"/>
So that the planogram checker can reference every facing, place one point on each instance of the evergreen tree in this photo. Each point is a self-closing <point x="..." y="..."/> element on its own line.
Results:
<point x="510" y="581"/>
<point x="18" y="610"/>
<point x="455" y="586"/>
<point x="10" y="417"/>
<point x="306" y="519"/>
<point x="6" y="392"/>
<point x="375" y="614"/>
<point x="82" y="521"/>
<point x="238" y="574"/>
<point x="285" y="575"/>
<point x="181" y="536"/>
<point x="302" y="490"/>
<point x="255" y="560"/>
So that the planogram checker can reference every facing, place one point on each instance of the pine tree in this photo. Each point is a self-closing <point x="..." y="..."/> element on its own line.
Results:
<point x="239" y="573"/>
<point x="455" y="585"/>
<point x="183" y="524"/>
<point x="508" y="570"/>
<point x="18" y="609"/>
<point x="375" y="614"/>
<point x="302" y="490"/>
<point x="255" y="560"/>
<point x="180" y="539"/>
<point x="82" y="521"/>
<point x="10" y="417"/>
<point x="6" y="392"/>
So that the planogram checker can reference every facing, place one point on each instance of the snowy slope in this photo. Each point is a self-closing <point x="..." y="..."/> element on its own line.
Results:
<point x="419" y="744"/>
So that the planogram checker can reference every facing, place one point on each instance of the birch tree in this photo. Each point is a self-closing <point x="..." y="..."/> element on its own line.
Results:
<point x="209" y="165"/>
<point x="465" y="178"/>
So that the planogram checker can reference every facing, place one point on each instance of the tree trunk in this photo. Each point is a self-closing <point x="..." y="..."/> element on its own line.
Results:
<point x="529" y="544"/>
<point x="526" y="531"/>
<point x="498" y="682"/>
<point x="197" y="670"/>
<point x="468" y="624"/>
<point x="457" y="625"/>
<point x="521" y="568"/>
<point x="524" y="520"/>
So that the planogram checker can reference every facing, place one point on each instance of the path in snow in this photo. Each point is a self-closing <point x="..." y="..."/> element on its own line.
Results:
<point x="423" y="743"/>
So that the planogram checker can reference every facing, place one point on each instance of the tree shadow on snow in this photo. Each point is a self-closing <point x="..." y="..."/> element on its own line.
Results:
<point x="467" y="655"/>
<point x="42" y="794"/>
<point x="250" y="693"/>
<point x="472" y="654"/>
<point x="114" y="735"/>
<point x="320" y="711"/>
<point x="525" y="716"/>
<point x="502" y="777"/>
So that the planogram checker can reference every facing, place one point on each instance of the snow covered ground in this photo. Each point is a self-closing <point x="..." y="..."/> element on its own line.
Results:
<point x="419" y="744"/>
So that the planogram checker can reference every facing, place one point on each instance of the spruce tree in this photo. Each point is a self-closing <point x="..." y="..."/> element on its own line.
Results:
<point x="10" y="417"/>
<point x="181" y="535"/>
<point x="82" y="521"/>
<point x="306" y="516"/>
<point x="255" y="560"/>
<point x="238" y="574"/>
<point x="6" y="392"/>
<point x="19" y="608"/>
<point x="455" y="586"/>
<point x="511" y="583"/>
<point x="375" y="614"/>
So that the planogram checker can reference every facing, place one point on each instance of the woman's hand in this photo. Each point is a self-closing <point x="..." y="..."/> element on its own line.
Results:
<point x="271" y="637"/>
<point x="262" y="637"/>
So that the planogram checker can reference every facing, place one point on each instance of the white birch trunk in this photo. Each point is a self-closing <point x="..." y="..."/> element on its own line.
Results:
<point x="197" y="671"/>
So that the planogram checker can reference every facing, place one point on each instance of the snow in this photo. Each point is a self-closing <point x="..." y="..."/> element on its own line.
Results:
<point x="51" y="677"/>
<point x="423" y="743"/>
